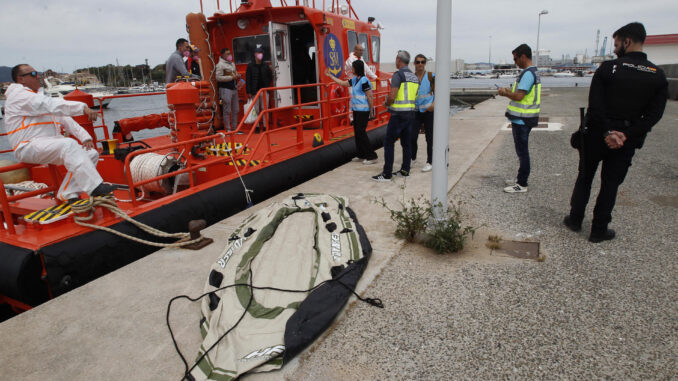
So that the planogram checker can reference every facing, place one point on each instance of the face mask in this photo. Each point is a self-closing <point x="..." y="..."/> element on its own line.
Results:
<point x="187" y="54"/>
<point x="229" y="57"/>
<point x="259" y="56"/>
<point x="195" y="58"/>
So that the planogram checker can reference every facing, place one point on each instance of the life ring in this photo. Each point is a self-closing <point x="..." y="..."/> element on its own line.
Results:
<point x="338" y="106"/>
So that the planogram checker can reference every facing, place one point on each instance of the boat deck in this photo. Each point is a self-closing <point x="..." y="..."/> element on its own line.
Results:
<point x="253" y="151"/>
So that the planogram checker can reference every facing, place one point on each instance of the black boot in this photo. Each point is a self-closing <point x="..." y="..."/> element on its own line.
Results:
<point x="102" y="189"/>
<point x="601" y="235"/>
<point x="572" y="224"/>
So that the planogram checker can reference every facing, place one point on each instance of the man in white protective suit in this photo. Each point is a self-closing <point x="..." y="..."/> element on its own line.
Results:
<point x="33" y="123"/>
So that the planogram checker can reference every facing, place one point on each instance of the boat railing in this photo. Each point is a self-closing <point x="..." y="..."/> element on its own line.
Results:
<point x="330" y="124"/>
<point x="325" y="120"/>
<point x="190" y="166"/>
<point x="5" y="199"/>
<point x="258" y="144"/>
<point x="332" y="6"/>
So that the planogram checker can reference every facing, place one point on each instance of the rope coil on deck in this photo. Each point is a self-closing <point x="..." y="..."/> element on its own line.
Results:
<point x="110" y="205"/>
<point x="149" y="165"/>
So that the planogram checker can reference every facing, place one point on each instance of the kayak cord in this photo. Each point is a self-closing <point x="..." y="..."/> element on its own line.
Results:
<point x="187" y="376"/>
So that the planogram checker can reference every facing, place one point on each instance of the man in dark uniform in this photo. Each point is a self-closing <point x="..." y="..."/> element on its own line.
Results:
<point x="627" y="97"/>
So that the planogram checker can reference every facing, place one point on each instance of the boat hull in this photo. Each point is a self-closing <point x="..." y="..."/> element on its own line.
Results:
<point x="80" y="259"/>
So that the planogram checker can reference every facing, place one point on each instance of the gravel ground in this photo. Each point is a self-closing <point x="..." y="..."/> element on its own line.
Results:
<point x="589" y="311"/>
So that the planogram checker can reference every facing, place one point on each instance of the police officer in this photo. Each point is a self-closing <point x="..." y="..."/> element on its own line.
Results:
<point x="401" y="104"/>
<point x="627" y="97"/>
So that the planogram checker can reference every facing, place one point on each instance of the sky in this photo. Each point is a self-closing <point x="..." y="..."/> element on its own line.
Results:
<point x="64" y="35"/>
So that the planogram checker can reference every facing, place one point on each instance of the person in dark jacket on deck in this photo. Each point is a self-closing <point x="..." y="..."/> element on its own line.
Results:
<point x="627" y="97"/>
<point x="258" y="76"/>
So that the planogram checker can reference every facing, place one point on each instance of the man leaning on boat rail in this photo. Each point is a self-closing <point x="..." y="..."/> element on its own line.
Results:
<point x="33" y="123"/>
<point x="175" y="66"/>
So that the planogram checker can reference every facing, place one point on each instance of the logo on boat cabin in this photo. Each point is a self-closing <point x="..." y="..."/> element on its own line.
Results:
<point x="334" y="58"/>
<point x="348" y="24"/>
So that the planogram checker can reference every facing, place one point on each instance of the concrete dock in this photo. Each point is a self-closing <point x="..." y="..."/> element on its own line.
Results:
<point x="587" y="311"/>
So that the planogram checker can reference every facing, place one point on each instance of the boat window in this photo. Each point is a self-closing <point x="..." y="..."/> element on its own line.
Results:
<point x="375" y="48"/>
<point x="243" y="48"/>
<point x="366" y="48"/>
<point x="278" y="41"/>
<point x="352" y="40"/>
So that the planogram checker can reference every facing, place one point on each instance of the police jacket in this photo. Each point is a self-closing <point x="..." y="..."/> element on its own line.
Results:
<point x="628" y="95"/>
<point x="258" y="76"/>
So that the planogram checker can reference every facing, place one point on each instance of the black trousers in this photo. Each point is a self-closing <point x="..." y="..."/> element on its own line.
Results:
<point x="362" y="142"/>
<point x="425" y="118"/>
<point x="616" y="163"/>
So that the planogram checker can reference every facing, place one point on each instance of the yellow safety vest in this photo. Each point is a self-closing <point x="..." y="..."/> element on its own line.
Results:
<point x="407" y="93"/>
<point x="530" y="105"/>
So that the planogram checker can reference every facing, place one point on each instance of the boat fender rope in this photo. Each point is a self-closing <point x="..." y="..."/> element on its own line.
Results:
<point x="108" y="203"/>
<point x="376" y="302"/>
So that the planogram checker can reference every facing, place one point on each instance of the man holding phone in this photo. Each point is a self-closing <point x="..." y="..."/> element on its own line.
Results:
<point x="523" y="112"/>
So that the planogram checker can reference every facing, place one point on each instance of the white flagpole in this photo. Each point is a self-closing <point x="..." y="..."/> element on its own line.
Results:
<point x="441" y="113"/>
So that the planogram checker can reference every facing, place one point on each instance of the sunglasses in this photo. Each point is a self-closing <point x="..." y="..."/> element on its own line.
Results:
<point x="419" y="62"/>
<point x="31" y="73"/>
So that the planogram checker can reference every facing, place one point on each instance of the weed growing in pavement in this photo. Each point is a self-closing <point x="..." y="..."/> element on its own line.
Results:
<point x="448" y="235"/>
<point x="493" y="242"/>
<point x="410" y="220"/>
<point x="415" y="222"/>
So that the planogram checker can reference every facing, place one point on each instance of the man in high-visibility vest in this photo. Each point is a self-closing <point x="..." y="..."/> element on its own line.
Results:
<point x="401" y="104"/>
<point x="523" y="112"/>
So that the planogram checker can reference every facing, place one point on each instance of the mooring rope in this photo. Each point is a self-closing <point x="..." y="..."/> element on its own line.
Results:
<point x="110" y="205"/>
<point x="147" y="166"/>
<point x="230" y="151"/>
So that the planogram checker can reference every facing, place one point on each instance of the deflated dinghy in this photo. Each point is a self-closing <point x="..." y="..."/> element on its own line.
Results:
<point x="285" y="274"/>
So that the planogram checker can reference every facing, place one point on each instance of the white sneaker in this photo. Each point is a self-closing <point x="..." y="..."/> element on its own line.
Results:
<point x="427" y="167"/>
<point x="367" y="161"/>
<point x="515" y="189"/>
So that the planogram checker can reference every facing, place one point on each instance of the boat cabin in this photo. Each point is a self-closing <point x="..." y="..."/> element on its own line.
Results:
<point x="299" y="39"/>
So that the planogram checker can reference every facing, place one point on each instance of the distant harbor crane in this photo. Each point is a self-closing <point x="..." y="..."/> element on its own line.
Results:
<point x="602" y="50"/>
